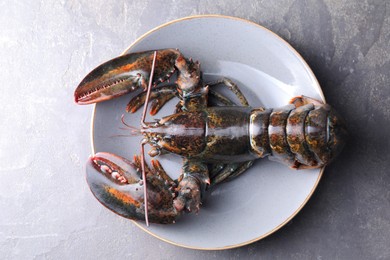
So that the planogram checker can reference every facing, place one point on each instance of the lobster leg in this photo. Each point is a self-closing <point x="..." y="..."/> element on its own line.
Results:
<point x="117" y="184"/>
<point x="230" y="171"/>
<point x="219" y="99"/>
<point x="233" y="88"/>
<point x="161" y="172"/>
<point x="224" y="173"/>
<point x="159" y="96"/>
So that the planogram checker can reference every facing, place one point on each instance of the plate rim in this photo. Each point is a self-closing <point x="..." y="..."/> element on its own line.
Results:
<point x="317" y="85"/>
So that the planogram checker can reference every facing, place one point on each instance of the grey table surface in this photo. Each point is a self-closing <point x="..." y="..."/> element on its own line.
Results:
<point x="46" y="48"/>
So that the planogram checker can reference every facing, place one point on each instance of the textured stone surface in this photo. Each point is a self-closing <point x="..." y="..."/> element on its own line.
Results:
<point x="46" y="47"/>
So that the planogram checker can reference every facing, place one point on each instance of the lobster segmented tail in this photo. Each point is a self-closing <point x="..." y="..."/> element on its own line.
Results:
<point x="307" y="136"/>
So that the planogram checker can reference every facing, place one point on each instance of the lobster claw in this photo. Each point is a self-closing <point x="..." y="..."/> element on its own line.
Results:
<point x="125" y="74"/>
<point x="117" y="183"/>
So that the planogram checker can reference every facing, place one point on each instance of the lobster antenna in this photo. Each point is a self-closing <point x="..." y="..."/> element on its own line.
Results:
<point x="134" y="130"/>
<point x="148" y="91"/>
<point x="143" y="143"/>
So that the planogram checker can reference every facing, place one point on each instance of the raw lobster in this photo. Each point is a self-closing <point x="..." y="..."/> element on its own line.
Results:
<point x="217" y="143"/>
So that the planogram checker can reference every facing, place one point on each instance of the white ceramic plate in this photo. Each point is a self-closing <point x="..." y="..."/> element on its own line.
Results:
<point x="270" y="72"/>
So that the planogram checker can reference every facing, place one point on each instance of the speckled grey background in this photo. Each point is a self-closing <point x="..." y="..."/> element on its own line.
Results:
<point x="46" y="47"/>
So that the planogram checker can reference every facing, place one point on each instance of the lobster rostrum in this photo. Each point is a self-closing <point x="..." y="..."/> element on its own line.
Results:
<point x="217" y="142"/>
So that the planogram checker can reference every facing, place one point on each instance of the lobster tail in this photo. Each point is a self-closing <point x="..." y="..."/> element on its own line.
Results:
<point x="304" y="134"/>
